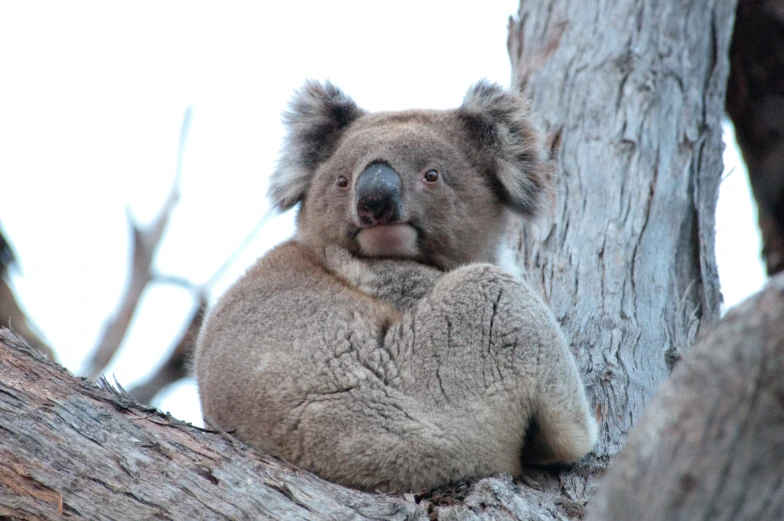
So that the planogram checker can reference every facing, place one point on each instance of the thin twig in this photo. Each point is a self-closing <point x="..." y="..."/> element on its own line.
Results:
<point x="271" y="213"/>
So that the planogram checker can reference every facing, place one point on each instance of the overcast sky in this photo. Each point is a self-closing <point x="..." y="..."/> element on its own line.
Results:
<point x="93" y="98"/>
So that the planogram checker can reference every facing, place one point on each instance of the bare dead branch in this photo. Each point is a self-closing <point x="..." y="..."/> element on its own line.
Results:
<point x="176" y="365"/>
<point x="174" y="280"/>
<point x="12" y="316"/>
<point x="144" y="244"/>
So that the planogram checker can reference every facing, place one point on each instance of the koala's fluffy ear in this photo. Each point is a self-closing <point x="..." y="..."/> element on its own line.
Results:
<point x="503" y="126"/>
<point x="317" y="116"/>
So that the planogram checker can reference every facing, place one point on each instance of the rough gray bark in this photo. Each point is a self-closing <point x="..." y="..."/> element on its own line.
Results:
<point x="70" y="448"/>
<point x="712" y="444"/>
<point x="633" y="93"/>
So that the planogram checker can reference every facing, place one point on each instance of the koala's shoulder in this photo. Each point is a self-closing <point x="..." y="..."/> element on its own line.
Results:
<point x="293" y="272"/>
<point x="287" y="257"/>
<point x="286" y="265"/>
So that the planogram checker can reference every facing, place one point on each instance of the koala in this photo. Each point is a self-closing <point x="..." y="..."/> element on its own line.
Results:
<point x="382" y="347"/>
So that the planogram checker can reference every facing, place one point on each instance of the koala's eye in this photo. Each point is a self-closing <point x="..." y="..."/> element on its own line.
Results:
<point x="342" y="182"/>
<point x="431" y="176"/>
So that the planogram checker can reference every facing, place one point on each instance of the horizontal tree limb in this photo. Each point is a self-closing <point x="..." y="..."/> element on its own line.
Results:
<point x="70" y="447"/>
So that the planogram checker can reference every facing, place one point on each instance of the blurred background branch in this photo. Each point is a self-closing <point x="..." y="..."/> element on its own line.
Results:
<point x="144" y="245"/>
<point x="11" y="314"/>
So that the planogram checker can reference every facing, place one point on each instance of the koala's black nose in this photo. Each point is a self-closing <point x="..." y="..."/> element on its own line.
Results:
<point x="378" y="195"/>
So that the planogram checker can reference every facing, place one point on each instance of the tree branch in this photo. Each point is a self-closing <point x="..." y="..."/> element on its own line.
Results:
<point x="144" y="244"/>
<point x="73" y="448"/>
<point x="176" y="365"/>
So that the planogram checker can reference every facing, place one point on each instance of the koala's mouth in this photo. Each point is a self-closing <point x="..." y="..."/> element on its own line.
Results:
<point x="398" y="240"/>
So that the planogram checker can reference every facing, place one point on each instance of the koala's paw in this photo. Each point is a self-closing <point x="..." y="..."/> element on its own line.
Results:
<point x="349" y="268"/>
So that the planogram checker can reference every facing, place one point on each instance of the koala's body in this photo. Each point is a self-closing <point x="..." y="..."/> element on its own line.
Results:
<point x="381" y="348"/>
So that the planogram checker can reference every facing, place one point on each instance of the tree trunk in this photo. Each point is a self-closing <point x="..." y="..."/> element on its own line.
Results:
<point x="633" y="93"/>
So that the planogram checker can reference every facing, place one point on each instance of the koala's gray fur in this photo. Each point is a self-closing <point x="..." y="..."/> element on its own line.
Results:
<point x="395" y="355"/>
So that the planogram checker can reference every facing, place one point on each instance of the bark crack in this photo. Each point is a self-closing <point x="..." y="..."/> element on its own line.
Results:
<point x="643" y="227"/>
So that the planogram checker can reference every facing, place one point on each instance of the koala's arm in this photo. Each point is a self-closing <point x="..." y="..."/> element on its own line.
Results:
<point x="484" y="325"/>
<point x="562" y="428"/>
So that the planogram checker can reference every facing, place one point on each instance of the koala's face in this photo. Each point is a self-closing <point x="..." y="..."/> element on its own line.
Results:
<point x="404" y="185"/>
<point x="432" y="186"/>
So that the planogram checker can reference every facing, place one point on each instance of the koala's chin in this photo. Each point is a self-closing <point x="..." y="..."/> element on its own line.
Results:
<point x="388" y="240"/>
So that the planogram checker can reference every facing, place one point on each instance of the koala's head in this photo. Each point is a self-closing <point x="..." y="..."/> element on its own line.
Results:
<point x="432" y="186"/>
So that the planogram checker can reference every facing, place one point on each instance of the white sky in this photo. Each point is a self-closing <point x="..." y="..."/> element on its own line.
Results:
<point x="92" y="100"/>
